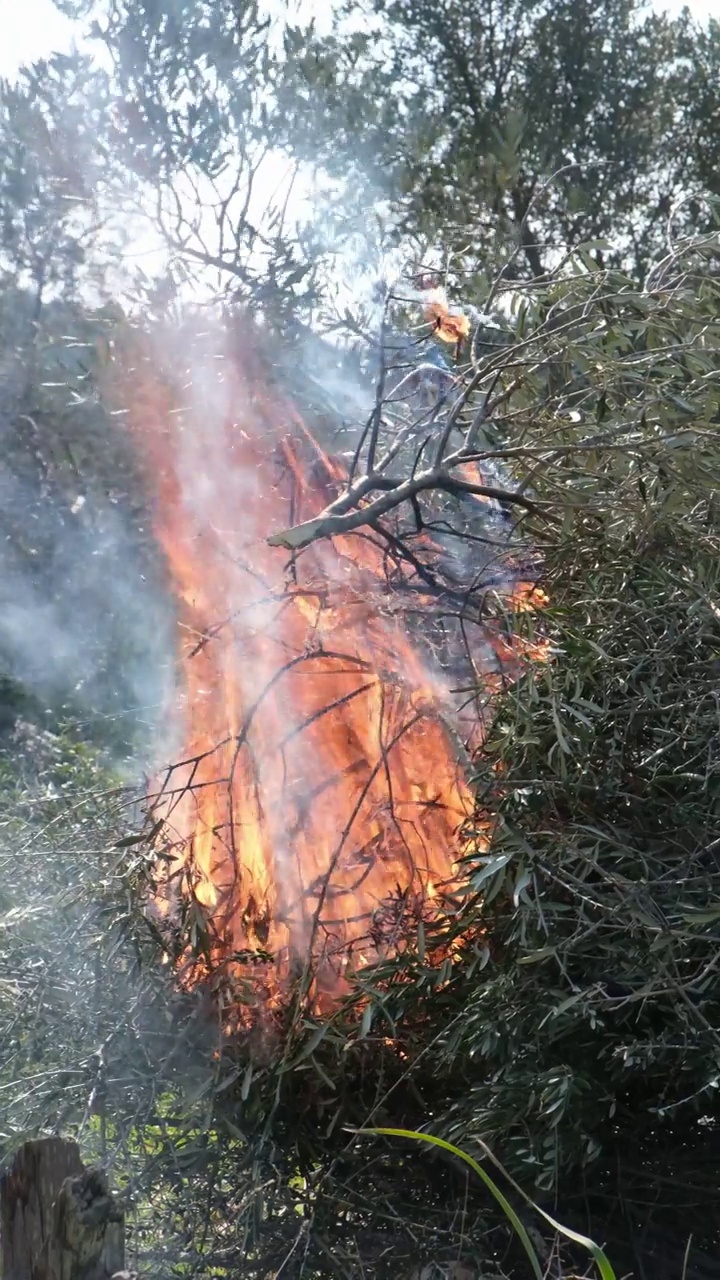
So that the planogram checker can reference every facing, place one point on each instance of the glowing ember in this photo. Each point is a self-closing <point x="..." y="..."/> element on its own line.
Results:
<point x="319" y="808"/>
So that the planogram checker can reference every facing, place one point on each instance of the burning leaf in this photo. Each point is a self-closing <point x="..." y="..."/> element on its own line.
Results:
<point x="450" y="324"/>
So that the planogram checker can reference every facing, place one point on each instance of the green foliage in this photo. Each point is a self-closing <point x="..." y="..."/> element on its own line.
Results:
<point x="460" y="113"/>
<point x="455" y="130"/>
<point x="585" y="1032"/>
<point x="53" y="986"/>
<point x="574" y="1028"/>
<point x="49" y="171"/>
<point x="191" y="149"/>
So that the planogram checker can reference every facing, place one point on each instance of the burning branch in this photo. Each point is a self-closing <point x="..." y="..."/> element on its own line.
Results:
<point x="329" y="720"/>
<point x="372" y="490"/>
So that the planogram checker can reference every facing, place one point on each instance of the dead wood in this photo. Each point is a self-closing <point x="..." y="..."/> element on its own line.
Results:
<point x="58" y="1220"/>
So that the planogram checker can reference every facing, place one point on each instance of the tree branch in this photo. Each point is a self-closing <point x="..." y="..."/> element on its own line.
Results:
<point x="339" y="517"/>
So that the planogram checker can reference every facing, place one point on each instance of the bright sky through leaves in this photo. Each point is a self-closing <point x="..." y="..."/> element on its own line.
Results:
<point x="31" y="29"/>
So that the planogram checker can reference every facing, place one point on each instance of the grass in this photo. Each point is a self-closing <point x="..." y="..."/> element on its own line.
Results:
<point x="603" y="1264"/>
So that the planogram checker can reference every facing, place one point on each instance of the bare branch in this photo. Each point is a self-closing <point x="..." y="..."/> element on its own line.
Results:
<point x="338" y="519"/>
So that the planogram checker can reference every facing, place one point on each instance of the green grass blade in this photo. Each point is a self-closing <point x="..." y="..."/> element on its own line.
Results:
<point x="607" y="1272"/>
<point x="492" y="1186"/>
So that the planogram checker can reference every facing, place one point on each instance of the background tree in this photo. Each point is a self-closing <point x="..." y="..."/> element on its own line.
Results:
<point x="464" y="131"/>
<point x="192" y="140"/>
<point x="489" y="124"/>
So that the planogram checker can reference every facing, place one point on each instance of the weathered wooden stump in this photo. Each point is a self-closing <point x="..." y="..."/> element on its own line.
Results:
<point x="58" y="1220"/>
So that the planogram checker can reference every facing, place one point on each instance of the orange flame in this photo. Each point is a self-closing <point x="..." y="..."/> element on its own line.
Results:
<point x="319" y="807"/>
<point x="449" y="323"/>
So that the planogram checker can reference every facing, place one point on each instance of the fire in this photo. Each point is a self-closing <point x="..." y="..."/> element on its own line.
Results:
<point x="319" y="809"/>
<point x="449" y="323"/>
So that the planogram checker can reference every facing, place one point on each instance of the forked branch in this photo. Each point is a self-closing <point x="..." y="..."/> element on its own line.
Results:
<point x="352" y="510"/>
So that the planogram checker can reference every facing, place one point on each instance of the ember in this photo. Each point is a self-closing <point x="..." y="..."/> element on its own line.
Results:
<point x="319" y="808"/>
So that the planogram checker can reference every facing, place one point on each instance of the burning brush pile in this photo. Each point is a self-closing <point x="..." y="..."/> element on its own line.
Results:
<point x="331" y="697"/>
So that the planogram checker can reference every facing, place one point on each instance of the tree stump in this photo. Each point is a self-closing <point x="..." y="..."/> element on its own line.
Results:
<point x="58" y="1220"/>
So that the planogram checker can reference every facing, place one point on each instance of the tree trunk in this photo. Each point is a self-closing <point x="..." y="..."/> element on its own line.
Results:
<point x="58" y="1220"/>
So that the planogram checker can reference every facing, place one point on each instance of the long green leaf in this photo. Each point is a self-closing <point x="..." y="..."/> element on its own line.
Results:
<point x="602" y="1262"/>
<point x="492" y="1187"/>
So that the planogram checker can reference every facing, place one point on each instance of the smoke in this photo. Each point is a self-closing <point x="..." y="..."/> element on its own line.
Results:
<point x="83" y="621"/>
<point x="84" y="618"/>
